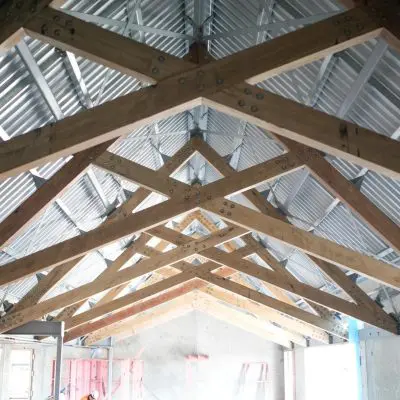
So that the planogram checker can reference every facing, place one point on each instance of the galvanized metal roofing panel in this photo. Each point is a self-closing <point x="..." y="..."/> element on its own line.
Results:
<point x="87" y="270"/>
<point x="309" y="204"/>
<point x="21" y="105"/>
<point x="221" y="125"/>
<point x="306" y="271"/>
<point x="384" y="193"/>
<point x="50" y="228"/>
<point x="256" y="148"/>
<point x="15" y="291"/>
<point x="110" y="184"/>
<point x="342" y="227"/>
<point x="13" y="191"/>
<point x="84" y="203"/>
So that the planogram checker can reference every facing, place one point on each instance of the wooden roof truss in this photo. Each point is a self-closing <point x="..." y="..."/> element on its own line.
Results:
<point x="218" y="285"/>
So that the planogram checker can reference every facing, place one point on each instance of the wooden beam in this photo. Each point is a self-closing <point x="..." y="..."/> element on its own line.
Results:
<point x="115" y="266"/>
<point x="129" y="299"/>
<point x="280" y="55"/>
<point x="243" y="321"/>
<point x="305" y="241"/>
<point x="236" y="182"/>
<point x="147" y="252"/>
<point x="184" y="90"/>
<point x="310" y="127"/>
<point x="279" y="280"/>
<point x="86" y="327"/>
<point x="144" y="320"/>
<point x="305" y="291"/>
<point x="291" y="285"/>
<point x="321" y="167"/>
<point x="101" y="236"/>
<point x="219" y="163"/>
<point x="13" y="16"/>
<point x="105" y="305"/>
<point x="34" y="206"/>
<point x="45" y="285"/>
<point x="148" y="218"/>
<point x="265" y="313"/>
<point x="138" y="307"/>
<point x="267" y="301"/>
<point x="128" y="274"/>
<point x="225" y="272"/>
<point x="262" y="253"/>
<point x="140" y="175"/>
<point x="349" y="194"/>
<point x="115" y="51"/>
<point x="349" y="287"/>
<point x="55" y="275"/>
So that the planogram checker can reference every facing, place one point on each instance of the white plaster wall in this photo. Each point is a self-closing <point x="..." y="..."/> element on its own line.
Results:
<point x="164" y="348"/>
<point x="382" y="368"/>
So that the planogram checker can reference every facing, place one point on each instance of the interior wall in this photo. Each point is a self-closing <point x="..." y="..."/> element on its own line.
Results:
<point x="329" y="372"/>
<point x="221" y="374"/>
<point x="381" y="367"/>
<point x="323" y="372"/>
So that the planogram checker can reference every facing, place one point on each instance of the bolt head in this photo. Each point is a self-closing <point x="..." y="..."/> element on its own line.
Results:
<point x="181" y="81"/>
<point x="161" y="59"/>
<point x="254" y="108"/>
<point x="241" y="103"/>
<point x="155" y="70"/>
<point x="220" y="81"/>
<point x="259" y="96"/>
<point x="247" y="91"/>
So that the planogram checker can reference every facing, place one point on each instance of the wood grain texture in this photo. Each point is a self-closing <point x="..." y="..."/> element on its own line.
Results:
<point x="146" y="219"/>
<point x="323" y="169"/>
<point x="140" y="175"/>
<point x="310" y="127"/>
<point x="143" y="320"/>
<point x="300" y="289"/>
<point x="13" y="16"/>
<point x="85" y="291"/>
<point x="107" y="48"/>
<point x="246" y="322"/>
<point x="184" y="90"/>
<point x="33" y="206"/>
<point x="176" y="238"/>
<point x="275" y="304"/>
<point x="307" y="242"/>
